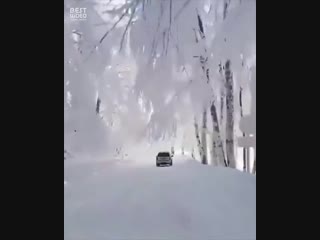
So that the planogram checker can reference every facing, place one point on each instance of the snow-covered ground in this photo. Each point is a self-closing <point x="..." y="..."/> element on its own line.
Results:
<point x="122" y="200"/>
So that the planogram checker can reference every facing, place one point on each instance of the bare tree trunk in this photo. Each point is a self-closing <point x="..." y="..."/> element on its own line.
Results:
<point x="204" y="159"/>
<point x="225" y="9"/>
<point x="172" y="151"/>
<point x="222" y="100"/>
<point x="245" y="150"/>
<point x="213" y="154"/>
<point x="216" y="138"/>
<point x="196" y="128"/>
<point x="98" y="106"/>
<point x="230" y="116"/>
<point x="222" y="115"/>
<point x="244" y="155"/>
<point x="254" y="166"/>
<point x="222" y="118"/>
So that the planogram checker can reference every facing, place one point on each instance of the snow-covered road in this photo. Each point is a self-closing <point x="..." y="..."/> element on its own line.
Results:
<point x="111" y="200"/>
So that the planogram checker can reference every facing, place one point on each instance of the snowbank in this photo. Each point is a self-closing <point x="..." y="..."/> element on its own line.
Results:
<point x="108" y="200"/>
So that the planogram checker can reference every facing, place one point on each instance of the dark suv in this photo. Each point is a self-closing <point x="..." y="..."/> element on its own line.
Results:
<point x="164" y="158"/>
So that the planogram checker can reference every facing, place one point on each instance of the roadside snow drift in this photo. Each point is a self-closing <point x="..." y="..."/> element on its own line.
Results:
<point x="117" y="200"/>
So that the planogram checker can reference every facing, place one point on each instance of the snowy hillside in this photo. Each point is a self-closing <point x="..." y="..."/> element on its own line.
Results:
<point x="122" y="200"/>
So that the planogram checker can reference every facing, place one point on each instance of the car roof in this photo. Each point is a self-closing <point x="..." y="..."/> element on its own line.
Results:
<point x="164" y="153"/>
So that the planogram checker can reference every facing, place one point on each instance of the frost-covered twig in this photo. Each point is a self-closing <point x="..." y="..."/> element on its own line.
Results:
<point x="181" y="9"/>
<point x="114" y="26"/>
<point x="126" y="29"/>
<point x="225" y="8"/>
<point x="200" y="26"/>
<point x="126" y="7"/>
<point x="98" y="106"/>
<point x="170" y="15"/>
<point x="155" y="38"/>
<point x="169" y="28"/>
<point x="107" y="4"/>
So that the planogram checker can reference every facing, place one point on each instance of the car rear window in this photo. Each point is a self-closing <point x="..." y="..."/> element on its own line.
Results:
<point x="164" y="154"/>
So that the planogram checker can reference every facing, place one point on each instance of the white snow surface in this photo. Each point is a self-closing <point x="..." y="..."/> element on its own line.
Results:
<point x="124" y="199"/>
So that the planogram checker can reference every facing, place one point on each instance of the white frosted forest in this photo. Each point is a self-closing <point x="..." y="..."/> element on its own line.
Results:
<point x="143" y="76"/>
